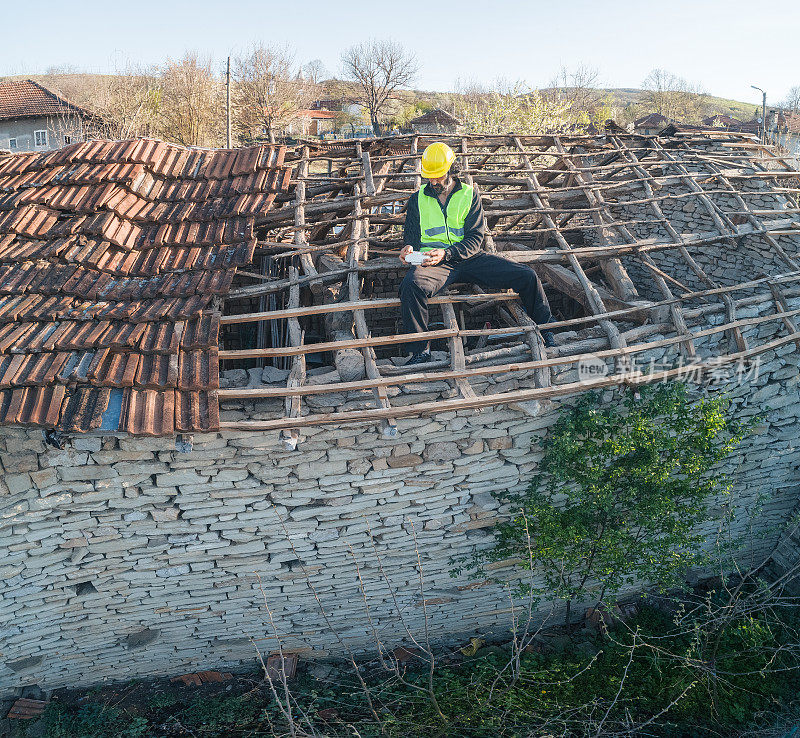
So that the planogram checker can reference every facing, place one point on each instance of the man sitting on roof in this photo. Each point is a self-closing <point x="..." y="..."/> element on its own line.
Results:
<point x="444" y="221"/>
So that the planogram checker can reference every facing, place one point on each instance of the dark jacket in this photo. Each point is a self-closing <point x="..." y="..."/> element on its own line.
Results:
<point x="474" y="226"/>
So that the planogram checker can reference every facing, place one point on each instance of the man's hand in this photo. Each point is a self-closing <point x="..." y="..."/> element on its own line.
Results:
<point x="404" y="252"/>
<point x="433" y="257"/>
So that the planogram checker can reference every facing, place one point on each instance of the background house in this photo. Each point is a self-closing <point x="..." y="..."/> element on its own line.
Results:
<point x="312" y="123"/>
<point x="435" y="121"/>
<point x="651" y="124"/>
<point x="720" y="121"/>
<point x="729" y="123"/>
<point x="32" y="118"/>
<point x="787" y="134"/>
<point x="339" y="104"/>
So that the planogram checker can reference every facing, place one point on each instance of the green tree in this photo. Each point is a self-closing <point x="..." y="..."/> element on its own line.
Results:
<point x="622" y="487"/>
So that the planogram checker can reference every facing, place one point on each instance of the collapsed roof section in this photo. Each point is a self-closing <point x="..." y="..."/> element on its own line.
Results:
<point x="113" y="257"/>
<point x="642" y="242"/>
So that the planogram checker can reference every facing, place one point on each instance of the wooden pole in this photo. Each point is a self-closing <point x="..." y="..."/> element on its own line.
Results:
<point x="228" y="103"/>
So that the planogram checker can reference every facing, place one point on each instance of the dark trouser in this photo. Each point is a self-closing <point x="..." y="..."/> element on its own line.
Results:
<point x="484" y="270"/>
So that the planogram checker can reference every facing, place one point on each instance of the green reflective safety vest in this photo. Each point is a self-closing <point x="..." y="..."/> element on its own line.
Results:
<point x="439" y="228"/>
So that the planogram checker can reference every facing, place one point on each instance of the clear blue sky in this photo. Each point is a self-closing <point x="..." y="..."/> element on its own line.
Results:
<point x="724" y="45"/>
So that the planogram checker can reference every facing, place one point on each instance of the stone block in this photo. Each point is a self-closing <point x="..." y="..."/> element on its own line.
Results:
<point x="273" y="375"/>
<point x="17" y="483"/>
<point x="407" y="460"/>
<point x="321" y="469"/>
<point x="231" y="475"/>
<point x="254" y="377"/>
<point x="173" y="571"/>
<point x="233" y="378"/>
<point x="44" y="478"/>
<point x="140" y="470"/>
<point x="141" y="638"/>
<point x="328" y="400"/>
<point x="87" y="443"/>
<point x="476" y="447"/>
<point x="74" y="543"/>
<point x="485" y="501"/>
<point x="322" y="535"/>
<point x="441" y="451"/>
<point x="89" y="472"/>
<point x="146" y="444"/>
<point x="23" y="664"/>
<point x="178" y="478"/>
<point x="350" y="365"/>
<point x="64" y="457"/>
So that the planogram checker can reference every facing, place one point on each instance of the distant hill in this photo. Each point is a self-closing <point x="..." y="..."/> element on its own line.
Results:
<point x="629" y="103"/>
<point x="625" y="96"/>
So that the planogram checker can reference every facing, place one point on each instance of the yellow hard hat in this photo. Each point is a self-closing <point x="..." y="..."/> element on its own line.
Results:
<point x="437" y="160"/>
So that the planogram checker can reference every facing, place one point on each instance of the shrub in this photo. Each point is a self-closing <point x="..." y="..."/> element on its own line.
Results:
<point x="622" y="489"/>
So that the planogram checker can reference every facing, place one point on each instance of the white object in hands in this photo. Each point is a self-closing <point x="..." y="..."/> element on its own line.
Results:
<point x="415" y="257"/>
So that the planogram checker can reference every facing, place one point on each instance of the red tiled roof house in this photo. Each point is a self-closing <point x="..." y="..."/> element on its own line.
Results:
<point x="313" y="123"/>
<point x="32" y="118"/>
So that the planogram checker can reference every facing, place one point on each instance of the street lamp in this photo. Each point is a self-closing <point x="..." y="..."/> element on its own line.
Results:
<point x="763" y="113"/>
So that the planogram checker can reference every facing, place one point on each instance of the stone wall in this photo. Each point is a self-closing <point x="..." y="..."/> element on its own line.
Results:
<point x="724" y="262"/>
<point x="125" y="557"/>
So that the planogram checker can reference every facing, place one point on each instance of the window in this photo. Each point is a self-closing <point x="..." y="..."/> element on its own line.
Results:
<point x="67" y="140"/>
<point x="39" y="139"/>
<point x="12" y="144"/>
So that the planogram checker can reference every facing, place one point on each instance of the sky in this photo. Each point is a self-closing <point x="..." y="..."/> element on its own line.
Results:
<point x="723" y="45"/>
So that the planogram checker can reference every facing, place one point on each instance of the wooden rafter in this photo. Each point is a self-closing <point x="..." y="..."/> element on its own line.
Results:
<point x="542" y="195"/>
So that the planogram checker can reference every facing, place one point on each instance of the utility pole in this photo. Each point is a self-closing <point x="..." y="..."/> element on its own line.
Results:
<point x="228" y="102"/>
<point x="763" y="113"/>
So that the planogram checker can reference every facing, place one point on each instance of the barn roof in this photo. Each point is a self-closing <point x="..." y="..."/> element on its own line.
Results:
<point x="131" y="271"/>
<point x="603" y="219"/>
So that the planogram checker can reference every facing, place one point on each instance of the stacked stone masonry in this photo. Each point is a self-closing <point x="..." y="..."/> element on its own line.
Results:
<point x="124" y="557"/>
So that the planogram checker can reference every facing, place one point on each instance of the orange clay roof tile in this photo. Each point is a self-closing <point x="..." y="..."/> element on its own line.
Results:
<point x="110" y="254"/>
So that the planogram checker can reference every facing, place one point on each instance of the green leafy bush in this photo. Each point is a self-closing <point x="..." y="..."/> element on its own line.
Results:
<point x="620" y="493"/>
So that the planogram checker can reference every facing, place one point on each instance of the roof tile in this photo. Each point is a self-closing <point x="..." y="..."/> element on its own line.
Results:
<point x="148" y="412"/>
<point x="110" y="254"/>
<point x="29" y="99"/>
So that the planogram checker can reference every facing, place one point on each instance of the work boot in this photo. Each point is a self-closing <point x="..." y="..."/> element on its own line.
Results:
<point x="421" y="357"/>
<point x="549" y="339"/>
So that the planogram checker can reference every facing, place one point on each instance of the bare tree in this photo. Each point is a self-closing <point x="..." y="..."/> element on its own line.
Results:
<point x="579" y="87"/>
<point x="127" y="104"/>
<point x="792" y="100"/>
<point x="315" y="71"/>
<point x="121" y="105"/>
<point x="673" y="97"/>
<point x="269" y="91"/>
<point x="192" y="107"/>
<point x="470" y="91"/>
<point x="381" y="69"/>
